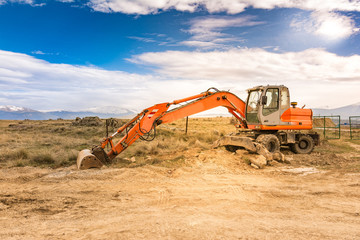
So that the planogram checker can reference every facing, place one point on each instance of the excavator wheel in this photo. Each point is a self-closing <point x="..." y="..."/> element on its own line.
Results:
<point x="270" y="141"/>
<point x="305" y="145"/>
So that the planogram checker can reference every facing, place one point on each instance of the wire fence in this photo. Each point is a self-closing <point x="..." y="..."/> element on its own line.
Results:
<point x="354" y="123"/>
<point x="329" y="126"/>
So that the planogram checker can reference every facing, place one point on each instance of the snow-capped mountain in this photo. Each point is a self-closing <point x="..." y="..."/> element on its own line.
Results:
<point x="111" y="110"/>
<point x="21" y="113"/>
<point x="10" y="108"/>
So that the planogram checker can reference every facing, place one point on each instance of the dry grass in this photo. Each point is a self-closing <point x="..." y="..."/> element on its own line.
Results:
<point x="43" y="143"/>
<point x="167" y="149"/>
<point x="56" y="143"/>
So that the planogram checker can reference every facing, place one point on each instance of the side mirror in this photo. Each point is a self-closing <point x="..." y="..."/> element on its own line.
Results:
<point x="263" y="100"/>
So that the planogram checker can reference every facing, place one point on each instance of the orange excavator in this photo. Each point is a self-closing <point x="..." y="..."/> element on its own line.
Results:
<point x="265" y="119"/>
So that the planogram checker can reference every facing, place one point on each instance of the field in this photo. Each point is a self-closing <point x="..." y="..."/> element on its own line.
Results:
<point x="175" y="187"/>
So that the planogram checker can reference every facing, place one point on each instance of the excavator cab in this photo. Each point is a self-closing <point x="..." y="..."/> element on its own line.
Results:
<point x="269" y="106"/>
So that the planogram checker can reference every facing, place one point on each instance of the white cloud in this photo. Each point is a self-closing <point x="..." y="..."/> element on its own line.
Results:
<point x="329" y="25"/>
<point x="242" y="64"/>
<point x="34" y="3"/>
<point x="141" y="6"/>
<point x="38" y="52"/>
<point x="30" y="2"/>
<point x="213" y="6"/>
<point x="312" y="71"/>
<point x="142" y="39"/>
<point x="17" y="1"/>
<point x="315" y="77"/>
<point x="201" y="44"/>
<point x="207" y="32"/>
<point x="334" y="25"/>
<point x="27" y="81"/>
<point x="209" y="28"/>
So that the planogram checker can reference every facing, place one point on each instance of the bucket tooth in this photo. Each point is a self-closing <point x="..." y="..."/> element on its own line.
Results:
<point x="86" y="160"/>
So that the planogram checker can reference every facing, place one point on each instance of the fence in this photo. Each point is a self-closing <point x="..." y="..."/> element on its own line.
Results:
<point x="328" y="125"/>
<point x="354" y="122"/>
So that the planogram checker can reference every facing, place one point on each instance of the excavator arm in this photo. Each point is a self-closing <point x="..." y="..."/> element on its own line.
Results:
<point x="145" y="122"/>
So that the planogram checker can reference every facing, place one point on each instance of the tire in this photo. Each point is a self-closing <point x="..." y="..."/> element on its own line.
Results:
<point x="270" y="141"/>
<point x="305" y="145"/>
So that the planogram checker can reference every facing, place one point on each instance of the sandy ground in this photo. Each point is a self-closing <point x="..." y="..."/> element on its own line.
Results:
<point x="206" y="200"/>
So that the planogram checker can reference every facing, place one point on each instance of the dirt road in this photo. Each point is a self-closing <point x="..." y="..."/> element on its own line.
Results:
<point x="205" y="201"/>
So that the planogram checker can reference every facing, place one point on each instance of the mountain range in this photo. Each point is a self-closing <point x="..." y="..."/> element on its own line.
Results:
<point x="344" y="112"/>
<point x="21" y="113"/>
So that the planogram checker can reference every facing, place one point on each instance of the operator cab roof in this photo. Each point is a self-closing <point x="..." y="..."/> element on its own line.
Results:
<point x="263" y="87"/>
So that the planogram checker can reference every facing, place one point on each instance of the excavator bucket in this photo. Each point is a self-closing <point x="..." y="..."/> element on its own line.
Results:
<point x="86" y="160"/>
<point x="94" y="158"/>
<point x="236" y="141"/>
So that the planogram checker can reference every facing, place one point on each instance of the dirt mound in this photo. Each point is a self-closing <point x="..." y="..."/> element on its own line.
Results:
<point x="112" y="122"/>
<point x="87" y="121"/>
<point x="323" y="122"/>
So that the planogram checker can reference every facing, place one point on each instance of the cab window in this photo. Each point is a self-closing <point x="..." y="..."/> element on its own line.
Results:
<point x="285" y="99"/>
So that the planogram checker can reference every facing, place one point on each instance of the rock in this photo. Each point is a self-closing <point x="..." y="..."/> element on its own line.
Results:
<point x="87" y="121"/>
<point x="133" y="159"/>
<point x="198" y="144"/>
<point x="278" y="156"/>
<point x="216" y="132"/>
<point x="254" y="166"/>
<point x="215" y="144"/>
<point x="260" y="149"/>
<point x="288" y="160"/>
<point x="259" y="161"/>
<point x="241" y="152"/>
<point x="202" y="157"/>
<point x="273" y="163"/>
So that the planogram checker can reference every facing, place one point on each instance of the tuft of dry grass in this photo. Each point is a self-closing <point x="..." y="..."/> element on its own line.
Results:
<point x="335" y="146"/>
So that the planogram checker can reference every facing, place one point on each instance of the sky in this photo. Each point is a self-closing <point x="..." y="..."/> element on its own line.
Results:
<point x="78" y="55"/>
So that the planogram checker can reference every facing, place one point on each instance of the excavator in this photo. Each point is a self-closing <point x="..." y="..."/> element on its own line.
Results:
<point x="265" y="121"/>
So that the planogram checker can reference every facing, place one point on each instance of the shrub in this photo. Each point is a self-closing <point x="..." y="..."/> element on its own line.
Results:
<point x="43" y="159"/>
<point x="21" y="154"/>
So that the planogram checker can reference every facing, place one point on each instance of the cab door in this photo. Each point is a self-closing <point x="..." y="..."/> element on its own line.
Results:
<point x="270" y="111"/>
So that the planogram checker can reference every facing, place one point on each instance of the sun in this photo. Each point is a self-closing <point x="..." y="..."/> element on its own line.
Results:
<point x="334" y="26"/>
<point x="333" y="29"/>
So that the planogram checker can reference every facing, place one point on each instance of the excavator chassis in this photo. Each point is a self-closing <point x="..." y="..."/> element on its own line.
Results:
<point x="261" y="142"/>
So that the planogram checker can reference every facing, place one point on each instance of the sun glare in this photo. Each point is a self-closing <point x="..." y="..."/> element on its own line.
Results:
<point x="333" y="29"/>
<point x="334" y="26"/>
